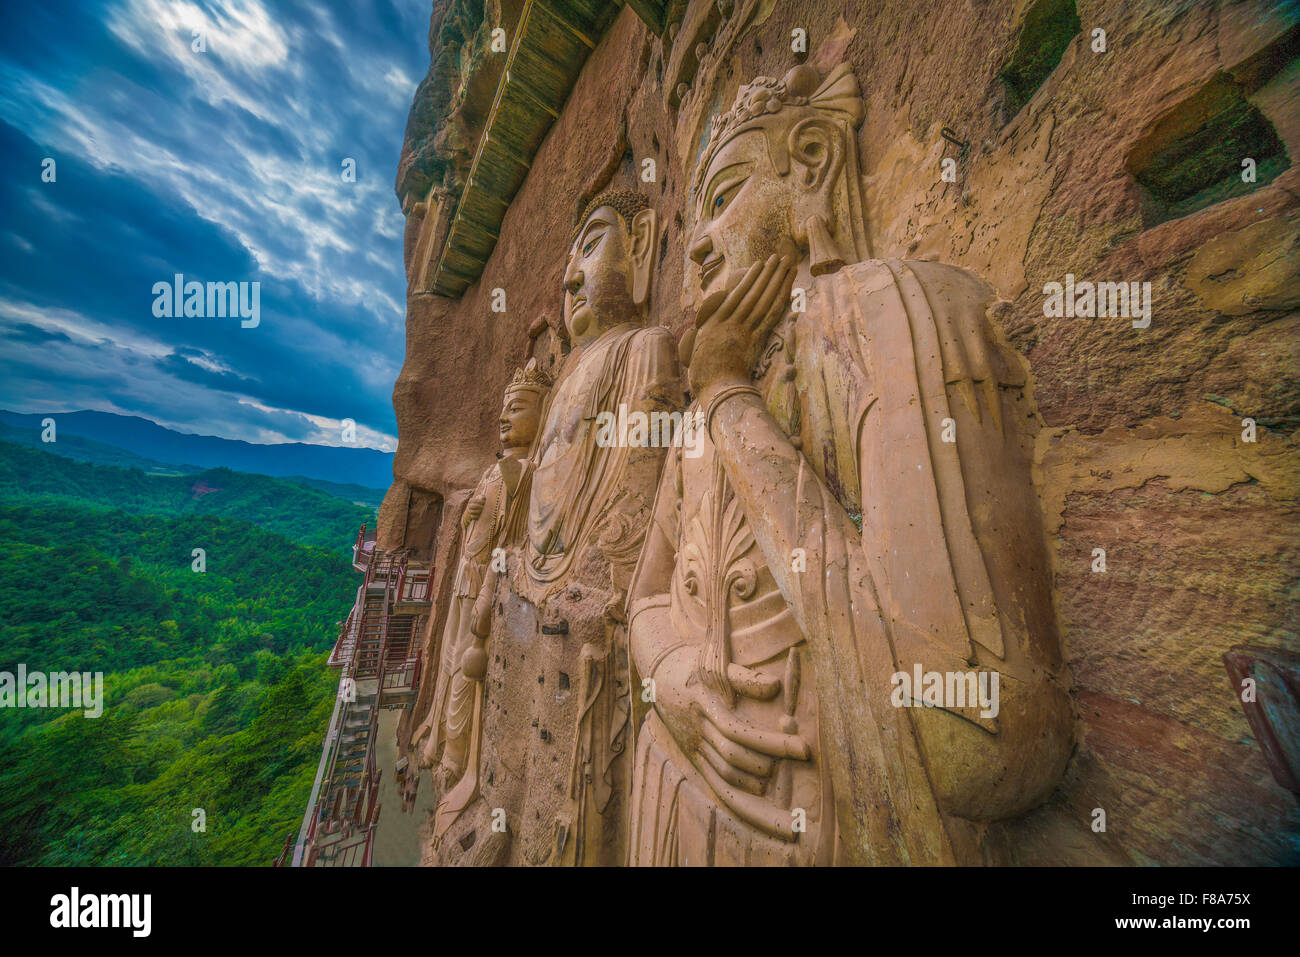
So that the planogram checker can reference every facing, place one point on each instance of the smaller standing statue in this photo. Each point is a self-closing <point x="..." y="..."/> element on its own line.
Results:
<point x="454" y="721"/>
<point x="553" y="770"/>
<point x="618" y="366"/>
<point x="589" y="504"/>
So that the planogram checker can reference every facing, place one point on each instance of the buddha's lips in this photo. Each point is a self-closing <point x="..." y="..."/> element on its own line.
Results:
<point x="708" y="268"/>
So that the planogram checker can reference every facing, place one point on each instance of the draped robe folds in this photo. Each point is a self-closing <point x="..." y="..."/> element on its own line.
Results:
<point x="452" y="699"/>
<point x="579" y="524"/>
<point x="885" y="357"/>
<point x="575" y="481"/>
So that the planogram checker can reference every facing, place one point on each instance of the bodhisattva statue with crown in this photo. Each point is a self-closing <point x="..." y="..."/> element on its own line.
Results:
<point x="454" y="722"/>
<point x="862" y="509"/>
<point x="556" y="730"/>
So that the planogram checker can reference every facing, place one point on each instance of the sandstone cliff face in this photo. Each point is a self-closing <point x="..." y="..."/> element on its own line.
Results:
<point x="1141" y="446"/>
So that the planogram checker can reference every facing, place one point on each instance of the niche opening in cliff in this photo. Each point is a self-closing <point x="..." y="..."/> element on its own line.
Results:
<point x="1195" y="155"/>
<point x="423" y="516"/>
<point x="1048" y="28"/>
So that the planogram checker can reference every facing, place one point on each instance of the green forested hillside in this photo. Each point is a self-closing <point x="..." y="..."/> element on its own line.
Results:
<point x="306" y="515"/>
<point x="356" y="494"/>
<point x="215" y="697"/>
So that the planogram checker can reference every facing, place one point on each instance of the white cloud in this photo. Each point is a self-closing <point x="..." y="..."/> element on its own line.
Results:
<point x="82" y="328"/>
<point x="126" y="360"/>
<point x="238" y="34"/>
<point x="269" y="175"/>
<point x="330" y="431"/>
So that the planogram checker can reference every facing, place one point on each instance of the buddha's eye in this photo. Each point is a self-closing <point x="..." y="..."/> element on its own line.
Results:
<point x="589" y="247"/>
<point x="723" y="198"/>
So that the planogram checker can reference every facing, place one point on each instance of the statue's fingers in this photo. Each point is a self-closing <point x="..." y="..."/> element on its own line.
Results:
<point x="776" y="293"/>
<point x="773" y="743"/>
<point x="751" y="683"/>
<point x="721" y="307"/>
<point x="710" y="306"/>
<point x="736" y="755"/>
<point x="764" y="319"/>
<point x="757" y="290"/>
<point x="733" y="776"/>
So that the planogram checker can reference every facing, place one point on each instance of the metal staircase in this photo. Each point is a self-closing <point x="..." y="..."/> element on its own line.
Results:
<point x="377" y="652"/>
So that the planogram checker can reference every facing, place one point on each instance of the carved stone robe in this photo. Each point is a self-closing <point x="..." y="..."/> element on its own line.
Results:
<point x="453" y="705"/>
<point x="556" y="699"/>
<point x="881" y="546"/>
<point x="575" y="481"/>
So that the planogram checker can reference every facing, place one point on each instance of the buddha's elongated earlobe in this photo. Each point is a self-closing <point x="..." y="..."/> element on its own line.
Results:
<point x="817" y="160"/>
<point x="643" y="231"/>
<point x="824" y="254"/>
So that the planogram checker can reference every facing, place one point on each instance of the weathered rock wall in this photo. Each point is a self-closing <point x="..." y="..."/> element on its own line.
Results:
<point x="1140" y="445"/>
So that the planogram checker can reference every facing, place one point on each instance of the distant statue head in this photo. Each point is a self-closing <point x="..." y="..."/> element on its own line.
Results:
<point x="780" y="175"/>
<point x="611" y="256"/>
<point x="521" y="409"/>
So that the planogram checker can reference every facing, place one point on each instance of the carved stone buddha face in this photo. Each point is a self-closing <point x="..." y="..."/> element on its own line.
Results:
<point x="744" y="214"/>
<point x="771" y="185"/>
<point x="607" y="275"/>
<point x="520" y="417"/>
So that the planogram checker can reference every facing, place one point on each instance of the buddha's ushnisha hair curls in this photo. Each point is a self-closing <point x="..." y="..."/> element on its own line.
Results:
<point x="626" y="202"/>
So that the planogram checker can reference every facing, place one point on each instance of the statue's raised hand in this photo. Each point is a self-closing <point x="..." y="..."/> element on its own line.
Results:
<point x="732" y="325"/>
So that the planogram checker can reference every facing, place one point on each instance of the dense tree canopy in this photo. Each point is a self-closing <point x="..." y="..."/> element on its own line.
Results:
<point x="216" y="697"/>
<point x="299" y="513"/>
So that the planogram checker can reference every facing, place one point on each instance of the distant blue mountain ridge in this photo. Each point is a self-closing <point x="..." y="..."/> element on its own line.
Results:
<point x="360" y="466"/>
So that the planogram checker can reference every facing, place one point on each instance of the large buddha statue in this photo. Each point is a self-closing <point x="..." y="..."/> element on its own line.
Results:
<point x="615" y="360"/>
<point x="862" y="509"/>
<point x="556" y="728"/>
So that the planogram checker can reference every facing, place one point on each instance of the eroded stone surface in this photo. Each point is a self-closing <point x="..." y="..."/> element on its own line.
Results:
<point x="1139" y="446"/>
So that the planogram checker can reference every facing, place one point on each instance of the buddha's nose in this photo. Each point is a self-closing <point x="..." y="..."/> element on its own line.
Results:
<point x="700" y="249"/>
<point x="572" y="279"/>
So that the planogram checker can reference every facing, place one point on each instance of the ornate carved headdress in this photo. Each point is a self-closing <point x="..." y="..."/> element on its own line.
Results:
<point x="775" y="106"/>
<point x="530" y="379"/>
<point x="837" y="97"/>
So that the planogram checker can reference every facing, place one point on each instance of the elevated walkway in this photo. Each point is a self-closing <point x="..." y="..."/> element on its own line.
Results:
<point x="377" y="652"/>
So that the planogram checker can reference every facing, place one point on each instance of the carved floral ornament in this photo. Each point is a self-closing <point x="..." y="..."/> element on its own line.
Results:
<point x="530" y="378"/>
<point x="837" y="97"/>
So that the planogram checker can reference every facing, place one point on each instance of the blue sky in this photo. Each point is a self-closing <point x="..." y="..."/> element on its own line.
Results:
<point x="222" y="165"/>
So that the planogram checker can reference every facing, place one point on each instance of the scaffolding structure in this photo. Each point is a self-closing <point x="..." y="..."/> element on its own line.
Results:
<point x="379" y="659"/>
